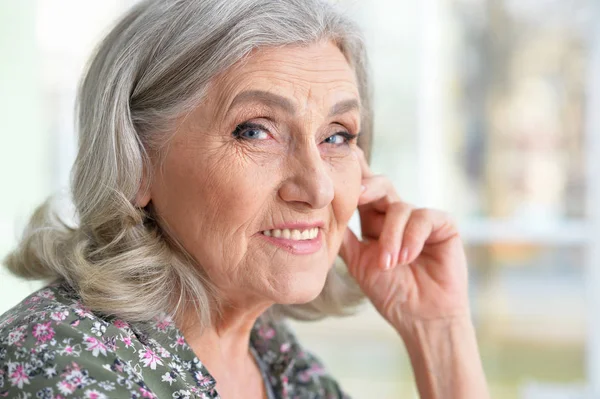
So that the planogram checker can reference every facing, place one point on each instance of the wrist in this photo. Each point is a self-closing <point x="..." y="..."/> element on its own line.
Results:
<point x="445" y="357"/>
<point x="412" y="328"/>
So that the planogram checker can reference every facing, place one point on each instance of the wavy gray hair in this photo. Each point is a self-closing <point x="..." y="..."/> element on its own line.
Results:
<point x="154" y="66"/>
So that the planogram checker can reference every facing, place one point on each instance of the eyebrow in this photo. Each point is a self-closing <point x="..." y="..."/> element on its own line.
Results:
<point x="265" y="97"/>
<point x="344" y="106"/>
<point x="277" y="101"/>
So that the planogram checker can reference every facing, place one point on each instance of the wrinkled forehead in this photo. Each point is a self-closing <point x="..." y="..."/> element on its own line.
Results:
<point x="317" y="75"/>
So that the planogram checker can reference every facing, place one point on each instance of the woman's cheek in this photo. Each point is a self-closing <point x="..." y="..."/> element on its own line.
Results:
<point x="347" y="180"/>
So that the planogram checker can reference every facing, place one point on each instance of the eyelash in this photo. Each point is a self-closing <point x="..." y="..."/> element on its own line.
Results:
<point x="246" y="126"/>
<point x="346" y="135"/>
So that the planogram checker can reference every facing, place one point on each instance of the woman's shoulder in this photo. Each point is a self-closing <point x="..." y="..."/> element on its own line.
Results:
<point x="51" y="344"/>
<point x="49" y="314"/>
<point x="53" y="303"/>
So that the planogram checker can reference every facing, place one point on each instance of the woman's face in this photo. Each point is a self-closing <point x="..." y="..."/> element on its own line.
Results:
<point x="260" y="180"/>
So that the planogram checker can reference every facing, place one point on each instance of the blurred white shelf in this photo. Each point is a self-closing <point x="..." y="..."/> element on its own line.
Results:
<point x="486" y="231"/>
<point x="537" y="390"/>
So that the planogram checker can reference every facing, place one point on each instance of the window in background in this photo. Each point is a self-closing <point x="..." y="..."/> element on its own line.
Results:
<point x="515" y="134"/>
<point x="481" y="111"/>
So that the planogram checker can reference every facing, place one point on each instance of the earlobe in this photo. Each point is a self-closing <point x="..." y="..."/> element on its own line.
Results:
<point x="143" y="196"/>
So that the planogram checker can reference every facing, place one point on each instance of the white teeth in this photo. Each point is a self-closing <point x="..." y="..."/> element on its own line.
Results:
<point x="293" y="234"/>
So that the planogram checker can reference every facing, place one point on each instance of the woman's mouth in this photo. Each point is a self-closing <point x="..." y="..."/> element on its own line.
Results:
<point x="293" y="234"/>
<point x="296" y="241"/>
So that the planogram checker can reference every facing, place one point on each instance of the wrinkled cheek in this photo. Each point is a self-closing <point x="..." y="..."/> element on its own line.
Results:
<point x="345" y="202"/>
<point x="348" y="182"/>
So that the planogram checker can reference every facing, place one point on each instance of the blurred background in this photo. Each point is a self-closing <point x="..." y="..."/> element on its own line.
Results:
<point x="488" y="109"/>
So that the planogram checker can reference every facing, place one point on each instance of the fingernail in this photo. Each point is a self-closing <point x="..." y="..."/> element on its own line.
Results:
<point x="404" y="256"/>
<point x="387" y="261"/>
<point x="363" y="188"/>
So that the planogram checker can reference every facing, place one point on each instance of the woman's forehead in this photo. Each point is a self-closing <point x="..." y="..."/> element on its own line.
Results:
<point x="318" y="73"/>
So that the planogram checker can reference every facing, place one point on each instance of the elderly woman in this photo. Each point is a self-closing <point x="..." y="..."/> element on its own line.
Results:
<point x="223" y="148"/>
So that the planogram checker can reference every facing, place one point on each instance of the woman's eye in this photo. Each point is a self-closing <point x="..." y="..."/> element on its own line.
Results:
<point x="340" y="138"/>
<point x="250" y="131"/>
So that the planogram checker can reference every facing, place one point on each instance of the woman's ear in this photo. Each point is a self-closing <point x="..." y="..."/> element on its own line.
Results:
<point x="144" y="194"/>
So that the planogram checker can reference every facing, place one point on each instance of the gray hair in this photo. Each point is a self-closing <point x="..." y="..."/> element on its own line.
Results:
<point x="154" y="66"/>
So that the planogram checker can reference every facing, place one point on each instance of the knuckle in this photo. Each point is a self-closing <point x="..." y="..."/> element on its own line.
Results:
<point x="424" y="213"/>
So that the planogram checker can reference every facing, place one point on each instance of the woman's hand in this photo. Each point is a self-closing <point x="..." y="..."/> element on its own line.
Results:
<point x="411" y="262"/>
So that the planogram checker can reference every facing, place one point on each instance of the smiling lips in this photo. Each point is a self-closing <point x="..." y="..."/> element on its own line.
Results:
<point x="293" y="234"/>
<point x="298" y="241"/>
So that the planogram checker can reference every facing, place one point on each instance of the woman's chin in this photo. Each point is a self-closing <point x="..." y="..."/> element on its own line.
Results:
<point x="300" y="292"/>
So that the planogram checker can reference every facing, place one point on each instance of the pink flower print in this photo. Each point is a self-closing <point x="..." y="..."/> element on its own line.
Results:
<point x="126" y="339"/>
<point x="17" y="336"/>
<point x="46" y="293"/>
<point x="314" y="370"/>
<point x="83" y="311"/>
<point x="203" y="380"/>
<point x="32" y="299"/>
<point x="178" y="343"/>
<point x="65" y="387"/>
<point x="146" y="393"/>
<point x="93" y="394"/>
<point x="73" y="378"/>
<point x="266" y="332"/>
<point x="43" y="332"/>
<point x="150" y="359"/>
<point x="68" y="349"/>
<point x="17" y="375"/>
<point x="163" y="323"/>
<point x="285" y="347"/>
<point x="60" y="315"/>
<point x="163" y="352"/>
<point x="120" y="323"/>
<point x="94" y="345"/>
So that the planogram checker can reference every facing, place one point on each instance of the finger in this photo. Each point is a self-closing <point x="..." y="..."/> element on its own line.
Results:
<point x="425" y="226"/>
<point x="364" y="165"/>
<point x="379" y="192"/>
<point x="350" y="248"/>
<point x="371" y="224"/>
<point x="390" y="239"/>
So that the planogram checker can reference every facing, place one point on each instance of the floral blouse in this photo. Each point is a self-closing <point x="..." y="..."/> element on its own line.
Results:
<point x="53" y="347"/>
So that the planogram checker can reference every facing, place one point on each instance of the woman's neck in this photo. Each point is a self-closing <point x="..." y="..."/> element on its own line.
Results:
<point x="223" y="348"/>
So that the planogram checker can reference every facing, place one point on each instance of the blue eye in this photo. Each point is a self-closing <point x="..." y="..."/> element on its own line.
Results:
<point x="250" y="131"/>
<point x="340" y="138"/>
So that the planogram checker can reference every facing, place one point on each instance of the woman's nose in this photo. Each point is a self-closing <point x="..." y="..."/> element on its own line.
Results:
<point x="308" y="180"/>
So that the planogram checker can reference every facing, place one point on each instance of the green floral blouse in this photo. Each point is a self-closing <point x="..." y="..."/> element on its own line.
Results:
<point x="53" y="347"/>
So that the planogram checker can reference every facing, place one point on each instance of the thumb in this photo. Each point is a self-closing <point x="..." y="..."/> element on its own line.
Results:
<point x="350" y="249"/>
